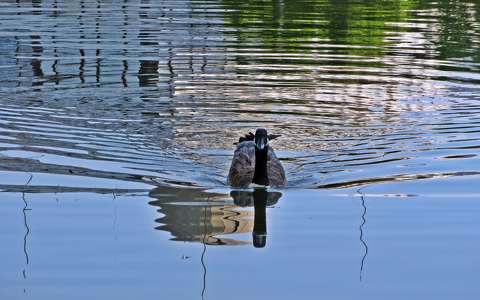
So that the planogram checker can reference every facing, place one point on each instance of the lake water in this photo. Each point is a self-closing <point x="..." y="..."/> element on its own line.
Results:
<point x="117" y="124"/>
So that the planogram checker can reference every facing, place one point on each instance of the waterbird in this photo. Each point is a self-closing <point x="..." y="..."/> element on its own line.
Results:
<point x="255" y="162"/>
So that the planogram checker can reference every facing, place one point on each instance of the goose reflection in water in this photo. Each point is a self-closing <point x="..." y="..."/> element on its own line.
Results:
<point x="195" y="215"/>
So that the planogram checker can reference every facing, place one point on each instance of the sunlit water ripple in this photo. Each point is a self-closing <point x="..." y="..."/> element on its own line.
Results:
<point x="117" y="95"/>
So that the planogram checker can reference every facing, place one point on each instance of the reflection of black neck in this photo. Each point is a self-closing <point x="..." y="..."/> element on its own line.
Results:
<point x="261" y="176"/>
<point x="259" y="233"/>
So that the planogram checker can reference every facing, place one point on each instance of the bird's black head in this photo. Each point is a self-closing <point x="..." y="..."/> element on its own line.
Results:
<point x="261" y="133"/>
<point x="261" y="138"/>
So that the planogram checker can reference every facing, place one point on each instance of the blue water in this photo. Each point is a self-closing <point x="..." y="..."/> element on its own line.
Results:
<point x="117" y="124"/>
<point x="350" y="245"/>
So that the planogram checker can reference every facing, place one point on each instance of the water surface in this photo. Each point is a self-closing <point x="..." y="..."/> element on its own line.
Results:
<point x="117" y="124"/>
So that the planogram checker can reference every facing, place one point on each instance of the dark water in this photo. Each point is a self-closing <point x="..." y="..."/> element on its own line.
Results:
<point x="118" y="117"/>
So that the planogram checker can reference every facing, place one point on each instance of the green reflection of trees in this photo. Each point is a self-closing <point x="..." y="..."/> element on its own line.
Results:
<point x="354" y="27"/>
<point x="457" y="29"/>
<point x="303" y="25"/>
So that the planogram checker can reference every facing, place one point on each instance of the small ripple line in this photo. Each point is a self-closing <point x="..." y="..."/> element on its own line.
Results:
<point x="362" y="240"/>
<point x="27" y="231"/>
<point x="202" y="259"/>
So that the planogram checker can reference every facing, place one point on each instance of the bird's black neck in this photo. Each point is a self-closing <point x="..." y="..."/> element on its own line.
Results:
<point x="261" y="176"/>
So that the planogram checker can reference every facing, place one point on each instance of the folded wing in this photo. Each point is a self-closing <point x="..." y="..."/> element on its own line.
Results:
<point x="242" y="168"/>
<point x="276" y="173"/>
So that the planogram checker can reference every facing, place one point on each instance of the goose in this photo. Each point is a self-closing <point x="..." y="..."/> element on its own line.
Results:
<point x="254" y="161"/>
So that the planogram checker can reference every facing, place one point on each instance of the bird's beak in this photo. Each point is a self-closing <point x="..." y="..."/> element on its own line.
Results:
<point x="261" y="142"/>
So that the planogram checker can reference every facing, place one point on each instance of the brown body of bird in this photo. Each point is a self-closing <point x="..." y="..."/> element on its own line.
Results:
<point x="254" y="161"/>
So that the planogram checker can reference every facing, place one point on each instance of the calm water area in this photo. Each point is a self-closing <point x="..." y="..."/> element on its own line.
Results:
<point x="117" y="124"/>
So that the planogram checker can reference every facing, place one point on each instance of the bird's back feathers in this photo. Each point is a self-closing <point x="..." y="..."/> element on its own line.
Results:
<point x="242" y="169"/>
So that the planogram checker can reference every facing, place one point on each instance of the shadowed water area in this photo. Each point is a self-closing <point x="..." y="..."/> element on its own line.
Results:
<point x="117" y="124"/>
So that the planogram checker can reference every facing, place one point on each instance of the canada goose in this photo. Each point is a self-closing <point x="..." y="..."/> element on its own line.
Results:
<point x="254" y="161"/>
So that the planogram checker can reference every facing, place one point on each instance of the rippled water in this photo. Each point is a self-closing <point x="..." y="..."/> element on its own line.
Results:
<point x="360" y="92"/>
<point x="144" y="99"/>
